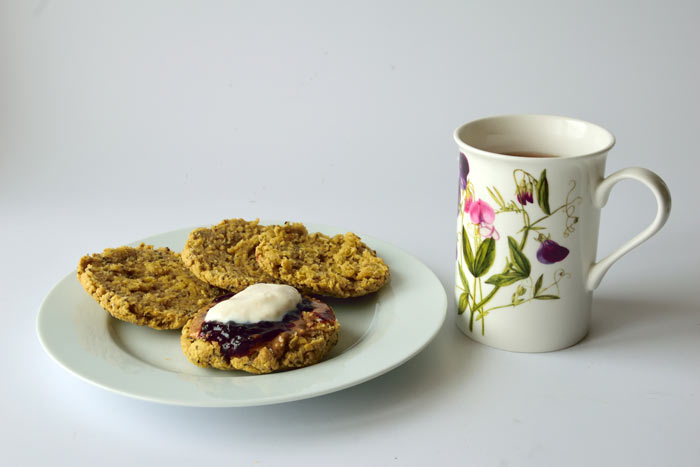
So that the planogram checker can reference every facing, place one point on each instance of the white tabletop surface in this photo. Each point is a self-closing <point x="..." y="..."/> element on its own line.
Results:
<point x="123" y="120"/>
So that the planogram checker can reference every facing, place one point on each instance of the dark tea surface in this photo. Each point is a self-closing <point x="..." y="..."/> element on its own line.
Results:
<point x="528" y="154"/>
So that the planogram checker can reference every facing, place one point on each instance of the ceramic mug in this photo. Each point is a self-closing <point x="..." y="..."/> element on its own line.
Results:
<point x="530" y="192"/>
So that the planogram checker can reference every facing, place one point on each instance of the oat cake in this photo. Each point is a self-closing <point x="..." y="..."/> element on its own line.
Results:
<point x="145" y="286"/>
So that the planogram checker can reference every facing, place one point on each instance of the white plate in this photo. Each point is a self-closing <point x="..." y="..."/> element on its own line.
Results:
<point x="379" y="332"/>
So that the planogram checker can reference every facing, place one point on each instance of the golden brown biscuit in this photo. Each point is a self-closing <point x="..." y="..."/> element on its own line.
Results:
<point x="340" y="266"/>
<point x="303" y="338"/>
<point x="144" y="286"/>
<point x="224" y="255"/>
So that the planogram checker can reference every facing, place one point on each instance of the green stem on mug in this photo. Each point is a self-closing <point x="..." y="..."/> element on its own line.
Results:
<point x="472" y="311"/>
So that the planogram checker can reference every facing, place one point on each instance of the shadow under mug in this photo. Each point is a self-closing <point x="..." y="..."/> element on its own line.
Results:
<point x="530" y="192"/>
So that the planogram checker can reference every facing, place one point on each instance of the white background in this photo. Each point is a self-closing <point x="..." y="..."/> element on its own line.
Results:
<point x="121" y="120"/>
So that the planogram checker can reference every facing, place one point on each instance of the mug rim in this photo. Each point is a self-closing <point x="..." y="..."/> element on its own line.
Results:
<point x="461" y="143"/>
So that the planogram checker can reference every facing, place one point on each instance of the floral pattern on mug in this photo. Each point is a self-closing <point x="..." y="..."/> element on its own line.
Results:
<point x="478" y="240"/>
<point x="550" y="252"/>
<point x="482" y="214"/>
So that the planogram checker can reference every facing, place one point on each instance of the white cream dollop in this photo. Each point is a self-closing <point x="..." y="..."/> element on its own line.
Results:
<point x="258" y="302"/>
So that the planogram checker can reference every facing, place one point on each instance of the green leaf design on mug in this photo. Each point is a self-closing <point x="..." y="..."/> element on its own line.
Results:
<point x="538" y="284"/>
<point x="484" y="257"/>
<point x="463" y="278"/>
<point x="497" y="197"/>
<point x="467" y="252"/>
<point x="464" y="297"/>
<point x="463" y="302"/>
<point x="546" y="297"/>
<point x="542" y="188"/>
<point x="520" y="263"/>
<point x="519" y="267"/>
<point x="505" y="278"/>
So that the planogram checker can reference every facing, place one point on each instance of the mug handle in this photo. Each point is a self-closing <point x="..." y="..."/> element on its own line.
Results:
<point x="600" y="198"/>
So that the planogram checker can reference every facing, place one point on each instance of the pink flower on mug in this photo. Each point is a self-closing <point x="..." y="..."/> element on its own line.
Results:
<point x="550" y="252"/>
<point x="480" y="212"/>
<point x="482" y="215"/>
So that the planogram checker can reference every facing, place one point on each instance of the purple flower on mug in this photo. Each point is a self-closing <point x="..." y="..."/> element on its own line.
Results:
<point x="550" y="252"/>
<point x="463" y="171"/>
<point x="525" y="196"/>
<point x="524" y="192"/>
